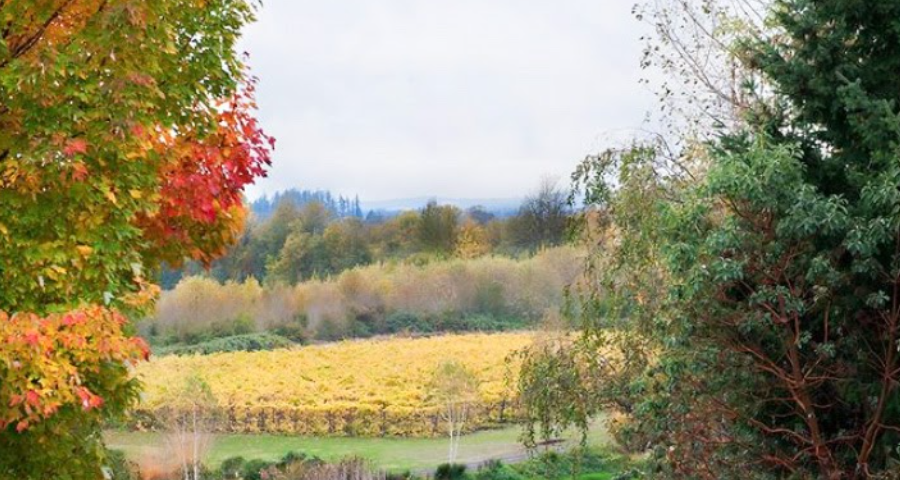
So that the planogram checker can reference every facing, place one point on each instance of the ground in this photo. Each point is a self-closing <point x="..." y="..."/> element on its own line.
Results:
<point x="393" y="454"/>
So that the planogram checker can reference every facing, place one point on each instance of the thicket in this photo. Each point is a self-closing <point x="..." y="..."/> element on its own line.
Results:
<point x="487" y="293"/>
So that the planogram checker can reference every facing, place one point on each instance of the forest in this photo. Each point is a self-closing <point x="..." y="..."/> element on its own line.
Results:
<point x="715" y="297"/>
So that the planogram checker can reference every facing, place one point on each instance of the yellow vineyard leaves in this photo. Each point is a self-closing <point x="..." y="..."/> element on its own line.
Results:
<point x="365" y="388"/>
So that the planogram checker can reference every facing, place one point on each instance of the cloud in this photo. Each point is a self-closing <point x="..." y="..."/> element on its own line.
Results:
<point x="463" y="98"/>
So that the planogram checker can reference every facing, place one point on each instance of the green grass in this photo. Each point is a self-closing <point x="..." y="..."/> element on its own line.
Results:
<point x="388" y="453"/>
<point x="596" y="476"/>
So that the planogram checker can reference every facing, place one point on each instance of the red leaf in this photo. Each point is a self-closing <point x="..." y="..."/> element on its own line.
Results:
<point x="76" y="145"/>
<point x="142" y="346"/>
<point x="32" y="337"/>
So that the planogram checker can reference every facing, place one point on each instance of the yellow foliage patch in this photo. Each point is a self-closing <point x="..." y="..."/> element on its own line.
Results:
<point x="357" y="388"/>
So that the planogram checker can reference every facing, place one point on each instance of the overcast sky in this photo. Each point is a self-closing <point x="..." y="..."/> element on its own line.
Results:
<point x="451" y="98"/>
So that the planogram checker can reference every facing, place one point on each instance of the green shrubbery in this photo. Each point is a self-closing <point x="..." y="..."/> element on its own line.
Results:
<point x="580" y="464"/>
<point x="251" y="342"/>
<point x="120" y="468"/>
<point x="450" y="471"/>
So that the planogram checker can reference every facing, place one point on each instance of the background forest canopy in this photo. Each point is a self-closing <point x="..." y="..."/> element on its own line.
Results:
<point x="299" y="235"/>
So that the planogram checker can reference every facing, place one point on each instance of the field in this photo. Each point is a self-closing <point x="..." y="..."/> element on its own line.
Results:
<point x="374" y="388"/>
<point x="393" y="454"/>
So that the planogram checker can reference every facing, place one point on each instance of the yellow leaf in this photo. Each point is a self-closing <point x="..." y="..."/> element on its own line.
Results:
<point x="136" y="194"/>
<point x="84" y="250"/>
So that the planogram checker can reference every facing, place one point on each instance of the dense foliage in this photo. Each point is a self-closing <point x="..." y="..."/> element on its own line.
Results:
<point x="126" y="138"/>
<point x="358" y="388"/>
<point x="248" y="342"/>
<point x="755" y="298"/>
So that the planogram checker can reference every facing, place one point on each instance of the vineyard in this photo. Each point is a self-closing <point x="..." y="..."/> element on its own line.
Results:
<point x="354" y="388"/>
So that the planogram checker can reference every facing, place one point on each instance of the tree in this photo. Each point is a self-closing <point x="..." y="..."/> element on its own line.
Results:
<point x="479" y="215"/>
<point x="397" y="237"/>
<point x="542" y="218"/>
<point x="700" y="77"/>
<point x="190" y="417"/>
<point x="438" y="227"/>
<point x="345" y="245"/>
<point x="314" y="218"/>
<point x="127" y="138"/>
<point x="472" y="241"/>
<point x="766" y="289"/>
<point x="297" y="259"/>
<point x="454" y="388"/>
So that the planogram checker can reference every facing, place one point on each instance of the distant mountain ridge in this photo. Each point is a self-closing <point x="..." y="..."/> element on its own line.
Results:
<point x="342" y="206"/>
<point x="493" y="205"/>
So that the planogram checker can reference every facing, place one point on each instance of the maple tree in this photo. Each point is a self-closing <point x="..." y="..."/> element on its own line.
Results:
<point x="126" y="139"/>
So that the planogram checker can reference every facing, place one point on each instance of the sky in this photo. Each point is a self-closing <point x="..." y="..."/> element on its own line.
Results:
<point x="394" y="99"/>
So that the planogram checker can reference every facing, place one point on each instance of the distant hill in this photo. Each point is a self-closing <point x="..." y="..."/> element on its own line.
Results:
<point x="338" y="205"/>
<point x="342" y="206"/>
<point x="498" y="206"/>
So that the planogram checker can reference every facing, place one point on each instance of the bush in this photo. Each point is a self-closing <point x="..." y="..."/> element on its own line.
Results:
<point x="549" y="466"/>
<point x="119" y="468"/>
<point x="252" y="342"/>
<point x="450" y="471"/>
<point x="497" y="470"/>
<point x="407" y="322"/>
<point x="407" y="475"/>
<point x="584" y="462"/>
<point x="295" y="330"/>
<point x="232" y="467"/>
<point x="252" y="470"/>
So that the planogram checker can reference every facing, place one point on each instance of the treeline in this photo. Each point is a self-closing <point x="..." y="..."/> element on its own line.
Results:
<point x="486" y="294"/>
<point x="339" y="206"/>
<point x="310" y="235"/>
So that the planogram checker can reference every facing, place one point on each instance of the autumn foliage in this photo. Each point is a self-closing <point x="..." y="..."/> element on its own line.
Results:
<point x="354" y="388"/>
<point x="53" y="358"/>
<point x="126" y="139"/>
<point x="200" y="207"/>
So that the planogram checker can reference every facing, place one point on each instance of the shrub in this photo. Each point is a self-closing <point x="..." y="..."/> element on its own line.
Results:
<point x="407" y="475"/>
<point x="238" y="343"/>
<point x="119" y="468"/>
<point x="497" y="470"/>
<point x="252" y="470"/>
<point x="232" y="467"/>
<point x="450" y="471"/>
<point x="407" y="322"/>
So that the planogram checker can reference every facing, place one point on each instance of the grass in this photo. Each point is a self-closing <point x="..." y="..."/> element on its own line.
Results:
<point x="395" y="454"/>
